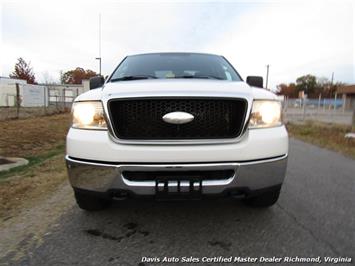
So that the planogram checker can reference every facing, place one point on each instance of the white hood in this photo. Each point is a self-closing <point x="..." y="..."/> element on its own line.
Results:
<point x="176" y="87"/>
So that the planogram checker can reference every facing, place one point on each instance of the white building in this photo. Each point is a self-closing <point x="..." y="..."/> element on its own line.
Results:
<point x="38" y="95"/>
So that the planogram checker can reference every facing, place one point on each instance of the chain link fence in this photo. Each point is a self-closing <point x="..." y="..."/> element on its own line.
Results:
<point x="322" y="110"/>
<point x="25" y="100"/>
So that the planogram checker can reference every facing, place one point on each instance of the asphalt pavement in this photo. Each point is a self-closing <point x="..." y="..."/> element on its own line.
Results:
<point x="315" y="216"/>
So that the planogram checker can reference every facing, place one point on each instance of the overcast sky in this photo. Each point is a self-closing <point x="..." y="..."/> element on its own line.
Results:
<point x="295" y="38"/>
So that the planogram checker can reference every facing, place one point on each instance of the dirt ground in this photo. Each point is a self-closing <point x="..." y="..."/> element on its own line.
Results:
<point x="28" y="217"/>
<point x="34" y="196"/>
<point x="41" y="140"/>
<point x="20" y="190"/>
<point x="30" y="204"/>
<point x="33" y="136"/>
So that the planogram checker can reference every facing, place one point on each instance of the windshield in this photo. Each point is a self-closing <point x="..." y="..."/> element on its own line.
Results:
<point x="173" y="66"/>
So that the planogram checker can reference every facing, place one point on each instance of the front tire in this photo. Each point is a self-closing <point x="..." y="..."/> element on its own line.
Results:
<point x="263" y="200"/>
<point x="90" y="202"/>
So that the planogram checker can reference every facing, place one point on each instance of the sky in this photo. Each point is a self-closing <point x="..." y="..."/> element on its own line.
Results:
<point x="293" y="37"/>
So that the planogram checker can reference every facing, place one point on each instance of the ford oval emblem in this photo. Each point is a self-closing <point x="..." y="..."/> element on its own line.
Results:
<point x="178" y="118"/>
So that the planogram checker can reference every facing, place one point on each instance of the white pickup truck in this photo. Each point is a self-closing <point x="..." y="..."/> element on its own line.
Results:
<point x="176" y="125"/>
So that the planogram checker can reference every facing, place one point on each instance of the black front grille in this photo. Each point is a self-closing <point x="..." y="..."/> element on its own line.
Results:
<point x="142" y="118"/>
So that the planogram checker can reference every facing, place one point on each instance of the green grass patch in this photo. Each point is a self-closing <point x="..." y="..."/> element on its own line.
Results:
<point x="33" y="161"/>
<point x="325" y="135"/>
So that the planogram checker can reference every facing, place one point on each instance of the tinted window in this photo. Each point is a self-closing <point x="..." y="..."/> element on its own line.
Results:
<point x="176" y="65"/>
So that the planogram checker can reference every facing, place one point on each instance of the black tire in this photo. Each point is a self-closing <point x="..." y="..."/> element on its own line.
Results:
<point x="264" y="200"/>
<point x="90" y="202"/>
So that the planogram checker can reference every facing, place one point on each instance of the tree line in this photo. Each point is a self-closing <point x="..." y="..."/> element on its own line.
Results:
<point x="310" y="85"/>
<point x="23" y="70"/>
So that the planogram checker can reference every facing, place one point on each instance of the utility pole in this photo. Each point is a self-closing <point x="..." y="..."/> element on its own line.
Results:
<point x="335" y="96"/>
<point x="267" y="76"/>
<point x="99" y="58"/>
<point x="332" y="79"/>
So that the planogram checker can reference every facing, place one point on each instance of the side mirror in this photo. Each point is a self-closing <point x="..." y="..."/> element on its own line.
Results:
<point x="255" y="81"/>
<point x="96" y="82"/>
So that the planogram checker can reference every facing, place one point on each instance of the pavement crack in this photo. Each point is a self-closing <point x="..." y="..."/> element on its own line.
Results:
<point x="144" y="233"/>
<point x="112" y="259"/>
<point x="131" y="232"/>
<point x="95" y="232"/>
<point x="223" y="245"/>
<point x="293" y="217"/>
<point x="130" y="226"/>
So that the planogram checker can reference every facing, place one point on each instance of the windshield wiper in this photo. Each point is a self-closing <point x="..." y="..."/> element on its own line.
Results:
<point x="198" y="77"/>
<point x="134" y="77"/>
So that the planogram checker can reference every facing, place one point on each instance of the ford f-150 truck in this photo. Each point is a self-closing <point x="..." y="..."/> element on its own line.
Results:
<point x="176" y="125"/>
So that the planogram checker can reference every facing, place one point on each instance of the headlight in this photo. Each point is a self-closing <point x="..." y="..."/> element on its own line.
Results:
<point x="88" y="115"/>
<point x="265" y="114"/>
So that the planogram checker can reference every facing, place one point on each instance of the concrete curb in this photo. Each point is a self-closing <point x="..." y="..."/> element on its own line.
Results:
<point x="14" y="163"/>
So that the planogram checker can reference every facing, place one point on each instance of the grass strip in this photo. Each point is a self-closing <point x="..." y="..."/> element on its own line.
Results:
<point x="324" y="135"/>
<point x="33" y="161"/>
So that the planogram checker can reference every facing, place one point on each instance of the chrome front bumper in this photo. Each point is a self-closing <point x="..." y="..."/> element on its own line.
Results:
<point x="108" y="177"/>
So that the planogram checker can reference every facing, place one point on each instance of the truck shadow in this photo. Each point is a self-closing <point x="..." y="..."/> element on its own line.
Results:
<point x="207" y="221"/>
<point x="130" y="231"/>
